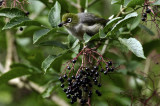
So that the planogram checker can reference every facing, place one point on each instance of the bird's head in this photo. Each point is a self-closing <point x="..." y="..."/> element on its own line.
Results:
<point x="69" y="20"/>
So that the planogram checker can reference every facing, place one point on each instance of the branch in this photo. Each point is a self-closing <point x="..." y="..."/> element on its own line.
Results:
<point x="79" y="6"/>
<point x="104" y="47"/>
<point x="1" y="67"/>
<point x="22" y="82"/>
<point x="10" y="43"/>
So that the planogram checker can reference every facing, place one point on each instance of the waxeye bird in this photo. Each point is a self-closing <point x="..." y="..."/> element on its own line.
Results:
<point x="81" y="23"/>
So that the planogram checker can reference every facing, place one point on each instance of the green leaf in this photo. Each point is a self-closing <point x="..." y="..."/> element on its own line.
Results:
<point x="156" y="3"/>
<point x="54" y="43"/>
<point x="47" y="93"/>
<point x="111" y="22"/>
<point x="132" y="3"/>
<point x="134" y="23"/>
<point x="117" y="2"/>
<point x="48" y="61"/>
<point x="123" y="21"/>
<point x="12" y="12"/>
<point x="133" y="45"/>
<point x="54" y="15"/>
<point x="86" y="38"/>
<point x="71" y="40"/>
<point x="149" y="31"/>
<point x="20" y="21"/>
<point x="13" y="73"/>
<point x="39" y="34"/>
<point x="102" y="34"/>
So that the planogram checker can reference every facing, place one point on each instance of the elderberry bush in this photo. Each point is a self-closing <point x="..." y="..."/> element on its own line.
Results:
<point x="86" y="80"/>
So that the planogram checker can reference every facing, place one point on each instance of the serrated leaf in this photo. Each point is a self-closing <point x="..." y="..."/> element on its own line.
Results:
<point x="123" y="21"/>
<point x="54" y="43"/>
<point x="12" y="12"/>
<point x="133" y="45"/>
<point x="13" y="73"/>
<point x="156" y="3"/>
<point x="48" y="61"/>
<point x="54" y="15"/>
<point x="40" y="33"/>
<point x="20" y="21"/>
<point x="132" y="3"/>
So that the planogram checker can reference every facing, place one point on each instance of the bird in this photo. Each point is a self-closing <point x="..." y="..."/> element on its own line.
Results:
<point x="81" y="23"/>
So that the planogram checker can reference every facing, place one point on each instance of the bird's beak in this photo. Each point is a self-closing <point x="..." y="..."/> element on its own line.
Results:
<point x="61" y="24"/>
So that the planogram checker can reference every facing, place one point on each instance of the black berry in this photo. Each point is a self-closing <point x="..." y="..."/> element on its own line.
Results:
<point x="74" y="61"/>
<point x="143" y="19"/>
<point x="144" y="15"/>
<point x="21" y="29"/>
<point x="148" y="10"/>
<point x="68" y="67"/>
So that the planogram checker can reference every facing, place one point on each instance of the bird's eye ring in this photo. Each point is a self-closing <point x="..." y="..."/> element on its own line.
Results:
<point x="69" y="20"/>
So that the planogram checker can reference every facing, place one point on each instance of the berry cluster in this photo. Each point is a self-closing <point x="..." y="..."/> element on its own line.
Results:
<point x="144" y="15"/>
<point x="80" y="85"/>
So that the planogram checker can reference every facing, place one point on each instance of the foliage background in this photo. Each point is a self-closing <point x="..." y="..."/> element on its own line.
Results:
<point x="134" y="82"/>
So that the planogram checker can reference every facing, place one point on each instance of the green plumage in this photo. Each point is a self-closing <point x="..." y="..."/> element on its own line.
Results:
<point x="78" y="24"/>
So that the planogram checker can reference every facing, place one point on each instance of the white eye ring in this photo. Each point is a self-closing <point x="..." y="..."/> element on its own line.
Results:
<point x="69" y="20"/>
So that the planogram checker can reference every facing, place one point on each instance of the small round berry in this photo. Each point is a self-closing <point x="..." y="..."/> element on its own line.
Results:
<point x="105" y="72"/>
<point x="68" y="96"/>
<point x="73" y="77"/>
<point x="72" y="102"/>
<point x="87" y="69"/>
<point x="102" y="70"/>
<point x="99" y="85"/>
<point x="69" y="79"/>
<point x="62" y="85"/>
<point x="96" y="74"/>
<point x="148" y="10"/>
<point x="95" y="67"/>
<point x="143" y="19"/>
<point x="64" y="90"/>
<point x="73" y="61"/>
<point x="93" y="71"/>
<point x="27" y="13"/>
<point x="68" y="67"/>
<point x="21" y="29"/>
<point x="144" y="15"/>
<point x="109" y="63"/>
<point x="65" y="76"/>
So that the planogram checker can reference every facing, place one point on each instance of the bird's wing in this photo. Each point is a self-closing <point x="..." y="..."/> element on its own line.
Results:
<point x="91" y="19"/>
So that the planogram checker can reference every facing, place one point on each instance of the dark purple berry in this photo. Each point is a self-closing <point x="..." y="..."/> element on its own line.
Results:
<point x="148" y="10"/>
<point x="65" y="76"/>
<point x="144" y="15"/>
<point x="96" y="74"/>
<point x="87" y="69"/>
<point x="73" y="77"/>
<point x="74" y="61"/>
<point x="143" y="19"/>
<point x="69" y="79"/>
<point x="99" y="85"/>
<point x="21" y="29"/>
<point x="68" y="67"/>
<point x="68" y="96"/>
<point x="62" y="85"/>
<point x="105" y="72"/>
<point x="64" y="90"/>
<point x="109" y="63"/>
<point x="95" y="67"/>
<point x="102" y="70"/>
<point x="27" y="13"/>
